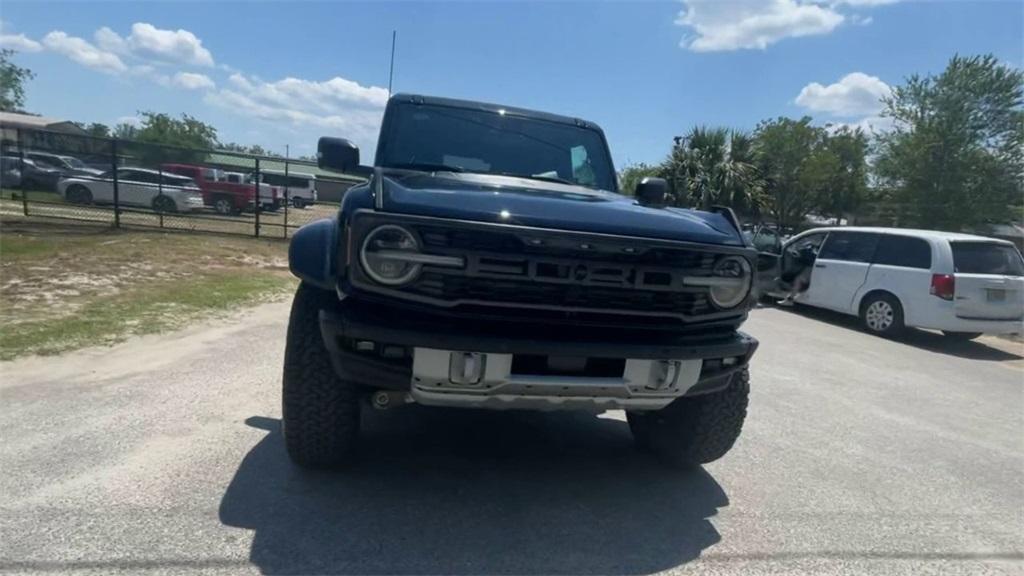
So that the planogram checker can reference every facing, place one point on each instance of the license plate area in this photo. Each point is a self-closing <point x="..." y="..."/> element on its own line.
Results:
<point x="539" y="365"/>
<point x="995" y="295"/>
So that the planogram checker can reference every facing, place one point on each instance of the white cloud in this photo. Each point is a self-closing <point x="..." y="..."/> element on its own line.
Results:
<point x="110" y="41"/>
<point x="148" y="42"/>
<point x="338" y="105"/>
<point x="309" y="94"/>
<point x="856" y="94"/>
<point x="179" y="46"/>
<point x="722" y="25"/>
<point x="869" y="124"/>
<point x="193" y="81"/>
<point x="747" y="24"/>
<point x="19" y="42"/>
<point x="130" y="120"/>
<point x="83" y="52"/>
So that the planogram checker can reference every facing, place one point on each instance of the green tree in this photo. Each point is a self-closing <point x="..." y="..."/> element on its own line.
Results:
<point x="836" y="172"/>
<point x="792" y="184"/>
<point x="632" y="174"/>
<point x="254" y="149"/>
<point x="955" y="157"/>
<point x="125" y="131"/>
<point x="95" y="129"/>
<point x="12" y="83"/>
<point x="162" y="138"/>
<point x="712" y="166"/>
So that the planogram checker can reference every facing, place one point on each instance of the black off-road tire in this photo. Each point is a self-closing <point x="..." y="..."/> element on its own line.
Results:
<point x="700" y="429"/>
<point x="640" y="426"/>
<point x="320" y="419"/>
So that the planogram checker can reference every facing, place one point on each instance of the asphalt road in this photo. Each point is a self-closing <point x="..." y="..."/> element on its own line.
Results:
<point x="859" y="456"/>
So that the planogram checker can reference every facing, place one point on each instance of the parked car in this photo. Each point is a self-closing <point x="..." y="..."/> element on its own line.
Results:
<point x="143" y="187"/>
<point x="67" y="165"/>
<point x="490" y="263"/>
<point x="224" y="196"/>
<point x="10" y="173"/>
<point x="34" y="176"/>
<point x="961" y="284"/>
<point x="298" y="187"/>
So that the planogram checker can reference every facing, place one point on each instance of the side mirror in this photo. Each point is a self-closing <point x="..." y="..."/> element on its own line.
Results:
<point x="337" y="154"/>
<point x="652" y="192"/>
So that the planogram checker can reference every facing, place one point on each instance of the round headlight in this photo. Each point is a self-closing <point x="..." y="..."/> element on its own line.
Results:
<point x="733" y="282"/>
<point x="389" y="254"/>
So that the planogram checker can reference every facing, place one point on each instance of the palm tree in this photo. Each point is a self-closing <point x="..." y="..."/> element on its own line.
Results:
<point x="712" y="166"/>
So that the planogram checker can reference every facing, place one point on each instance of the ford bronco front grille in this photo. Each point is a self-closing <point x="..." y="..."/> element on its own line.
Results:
<point x="545" y="269"/>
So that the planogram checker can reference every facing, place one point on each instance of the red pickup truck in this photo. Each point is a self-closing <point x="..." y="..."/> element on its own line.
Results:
<point x="224" y="196"/>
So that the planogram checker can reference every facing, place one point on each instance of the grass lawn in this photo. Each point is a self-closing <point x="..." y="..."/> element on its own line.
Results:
<point x="67" y="286"/>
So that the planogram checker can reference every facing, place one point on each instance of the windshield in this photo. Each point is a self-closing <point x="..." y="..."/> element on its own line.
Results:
<point x="987" y="258"/>
<point x="441" y="137"/>
<point x="73" y="162"/>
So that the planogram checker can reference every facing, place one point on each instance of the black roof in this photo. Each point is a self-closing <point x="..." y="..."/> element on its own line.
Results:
<point x="488" y="107"/>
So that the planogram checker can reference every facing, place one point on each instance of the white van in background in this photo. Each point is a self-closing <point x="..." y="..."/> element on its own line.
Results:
<point x="961" y="284"/>
<point x="299" y="188"/>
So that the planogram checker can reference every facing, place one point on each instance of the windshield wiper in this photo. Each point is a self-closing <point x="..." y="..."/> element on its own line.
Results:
<point x="426" y="167"/>
<point x="541" y="177"/>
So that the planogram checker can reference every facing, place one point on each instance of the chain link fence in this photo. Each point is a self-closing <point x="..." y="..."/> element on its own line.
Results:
<point x="129" y="184"/>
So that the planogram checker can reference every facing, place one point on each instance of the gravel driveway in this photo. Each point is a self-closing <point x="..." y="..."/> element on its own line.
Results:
<point x="860" y="455"/>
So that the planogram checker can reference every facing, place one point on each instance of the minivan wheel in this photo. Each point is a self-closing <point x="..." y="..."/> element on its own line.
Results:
<point x="882" y="314"/>
<point x="298" y="202"/>
<point x="961" y="336"/>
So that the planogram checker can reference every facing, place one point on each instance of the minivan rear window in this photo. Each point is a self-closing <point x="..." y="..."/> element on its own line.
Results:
<point x="987" y="258"/>
<point x="904" y="251"/>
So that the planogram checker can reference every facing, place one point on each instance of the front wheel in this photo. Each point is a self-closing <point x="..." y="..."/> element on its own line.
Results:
<point x="320" y="418"/>
<point x="298" y="202"/>
<point x="961" y="336"/>
<point x="224" y="206"/>
<point x="882" y="314"/>
<point x="164" y="204"/>
<point x="695" y="430"/>
<point x="79" y="194"/>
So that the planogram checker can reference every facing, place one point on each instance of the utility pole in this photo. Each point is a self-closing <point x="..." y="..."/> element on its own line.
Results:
<point x="391" y="71"/>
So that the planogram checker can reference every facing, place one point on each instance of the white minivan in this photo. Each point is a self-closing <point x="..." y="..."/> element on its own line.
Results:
<point x="961" y="284"/>
<point x="299" y="187"/>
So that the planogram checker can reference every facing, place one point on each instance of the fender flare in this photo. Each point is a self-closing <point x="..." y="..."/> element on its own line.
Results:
<point x="312" y="254"/>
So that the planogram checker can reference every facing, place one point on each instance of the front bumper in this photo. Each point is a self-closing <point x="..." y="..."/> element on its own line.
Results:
<point x="428" y="360"/>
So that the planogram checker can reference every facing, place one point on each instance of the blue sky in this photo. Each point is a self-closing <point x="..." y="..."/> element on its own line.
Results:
<point x="276" y="73"/>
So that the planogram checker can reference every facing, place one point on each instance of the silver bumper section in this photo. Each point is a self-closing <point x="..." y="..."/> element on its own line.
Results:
<point x="487" y="380"/>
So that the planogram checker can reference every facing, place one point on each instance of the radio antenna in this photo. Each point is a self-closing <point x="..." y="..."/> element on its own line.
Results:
<point x="391" y="71"/>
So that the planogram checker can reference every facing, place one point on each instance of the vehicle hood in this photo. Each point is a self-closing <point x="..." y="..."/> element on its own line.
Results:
<point x="527" y="202"/>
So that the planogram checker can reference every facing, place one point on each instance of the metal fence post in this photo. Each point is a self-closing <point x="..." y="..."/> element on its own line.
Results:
<point x="259" y="201"/>
<point x="160" y="191"/>
<point x="113" y="171"/>
<point x="287" y="187"/>
<point x="21" y="169"/>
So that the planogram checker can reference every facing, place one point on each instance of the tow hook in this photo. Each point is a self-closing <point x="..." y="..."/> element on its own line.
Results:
<point x="384" y="399"/>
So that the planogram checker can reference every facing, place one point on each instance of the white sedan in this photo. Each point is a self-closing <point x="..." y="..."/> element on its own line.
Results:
<point x="161" y="191"/>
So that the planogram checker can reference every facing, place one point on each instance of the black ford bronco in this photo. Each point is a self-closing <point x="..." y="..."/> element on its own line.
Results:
<point x="489" y="262"/>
